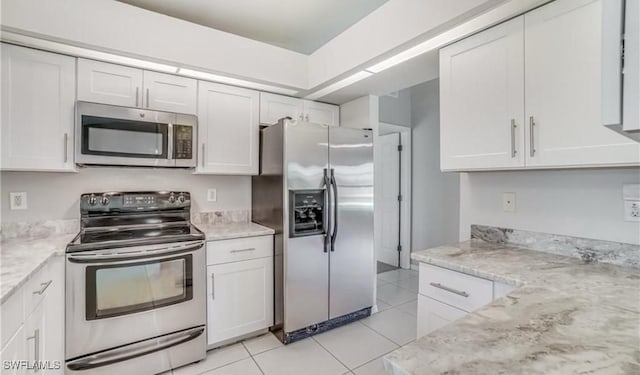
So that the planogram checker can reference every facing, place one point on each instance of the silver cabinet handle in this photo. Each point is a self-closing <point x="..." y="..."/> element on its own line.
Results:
<point x="43" y="287"/>
<point x="213" y="286"/>
<point x="450" y="290"/>
<point x="532" y="143"/>
<point x="243" y="250"/>
<point x="137" y="95"/>
<point x="36" y="345"/>
<point x="66" y="142"/>
<point x="147" y="98"/>
<point x="203" y="155"/>
<point x="513" y="138"/>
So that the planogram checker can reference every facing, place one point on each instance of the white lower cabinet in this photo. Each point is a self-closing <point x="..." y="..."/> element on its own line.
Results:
<point x="239" y="293"/>
<point x="13" y="351"/>
<point x="446" y="295"/>
<point x="433" y="314"/>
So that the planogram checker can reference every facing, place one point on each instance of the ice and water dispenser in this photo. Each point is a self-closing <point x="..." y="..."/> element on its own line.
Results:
<point x="306" y="212"/>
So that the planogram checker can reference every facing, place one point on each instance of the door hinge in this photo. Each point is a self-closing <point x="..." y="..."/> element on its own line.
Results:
<point x="399" y="248"/>
<point x="399" y="148"/>
<point x="400" y="198"/>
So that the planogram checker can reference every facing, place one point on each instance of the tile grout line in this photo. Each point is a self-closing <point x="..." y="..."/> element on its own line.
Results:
<point x="331" y="354"/>
<point x="377" y="357"/>
<point x="253" y="359"/>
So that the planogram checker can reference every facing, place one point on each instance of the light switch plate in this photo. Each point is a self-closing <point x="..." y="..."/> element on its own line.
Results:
<point x="18" y="201"/>
<point x="509" y="202"/>
<point x="212" y="195"/>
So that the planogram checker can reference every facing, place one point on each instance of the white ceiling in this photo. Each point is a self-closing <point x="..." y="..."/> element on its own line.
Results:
<point x="298" y="25"/>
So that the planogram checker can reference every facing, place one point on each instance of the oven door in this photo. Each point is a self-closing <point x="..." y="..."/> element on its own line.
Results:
<point x="121" y="296"/>
<point x="112" y="135"/>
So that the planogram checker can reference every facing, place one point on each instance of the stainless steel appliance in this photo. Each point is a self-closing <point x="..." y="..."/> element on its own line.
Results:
<point x="316" y="189"/>
<point x="113" y="135"/>
<point x="135" y="285"/>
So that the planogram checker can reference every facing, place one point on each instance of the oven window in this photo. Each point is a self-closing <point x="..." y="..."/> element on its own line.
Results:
<point x="114" y="290"/>
<point x="124" y="138"/>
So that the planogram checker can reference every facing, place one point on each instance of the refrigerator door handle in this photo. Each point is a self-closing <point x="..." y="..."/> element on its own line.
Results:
<point x="334" y="232"/>
<point x="327" y="222"/>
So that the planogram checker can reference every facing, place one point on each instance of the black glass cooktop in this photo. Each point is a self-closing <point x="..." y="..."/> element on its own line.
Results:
<point x="123" y="234"/>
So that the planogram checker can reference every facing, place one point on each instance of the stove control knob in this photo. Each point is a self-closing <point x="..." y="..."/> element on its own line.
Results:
<point x="181" y="198"/>
<point x="104" y="200"/>
<point x="92" y="200"/>
<point x="172" y="198"/>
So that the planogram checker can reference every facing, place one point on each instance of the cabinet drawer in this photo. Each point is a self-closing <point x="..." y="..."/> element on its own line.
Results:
<point x="36" y="288"/>
<point x="226" y="251"/>
<point x="11" y="316"/>
<point x="433" y="315"/>
<point x="454" y="288"/>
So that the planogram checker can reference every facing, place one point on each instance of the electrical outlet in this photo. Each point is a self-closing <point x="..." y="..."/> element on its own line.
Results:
<point x="212" y="195"/>
<point x="18" y="201"/>
<point x="631" y="210"/>
<point x="509" y="202"/>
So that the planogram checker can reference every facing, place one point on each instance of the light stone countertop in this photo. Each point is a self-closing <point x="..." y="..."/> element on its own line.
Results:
<point x="214" y="232"/>
<point x="567" y="317"/>
<point x="21" y="258"/>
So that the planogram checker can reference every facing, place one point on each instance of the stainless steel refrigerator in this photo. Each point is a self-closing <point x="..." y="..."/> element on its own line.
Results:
<point x="315" y="189"/>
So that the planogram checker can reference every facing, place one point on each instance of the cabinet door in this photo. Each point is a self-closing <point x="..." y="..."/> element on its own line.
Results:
<point x="274" y="107"/>
<point x="166" y="92"/>
<point x="482" y="100"/>
<point x="563" y="54"/>
<point x="433" y="315"/>
<point x="239" y="298"/>
<point x="38" y="96"/>
<point x="14" y="352"/>
<point x="53" y="305"/>
<point x="228" y="130"/>
<point x="321" y="113"/>
<point x="35" y="327"/>
<point x="106" y="83"/>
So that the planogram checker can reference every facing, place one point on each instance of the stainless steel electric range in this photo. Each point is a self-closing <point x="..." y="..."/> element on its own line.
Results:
<point x="135" y="285"/>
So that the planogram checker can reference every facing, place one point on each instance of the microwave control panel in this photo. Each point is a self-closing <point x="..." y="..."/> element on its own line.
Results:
<point x="183" y="142"/>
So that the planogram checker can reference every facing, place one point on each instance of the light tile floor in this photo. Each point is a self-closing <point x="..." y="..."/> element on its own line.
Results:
<point x="356" y="348"/>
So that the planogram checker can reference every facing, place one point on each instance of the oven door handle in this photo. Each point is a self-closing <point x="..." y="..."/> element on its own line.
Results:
<point x="134" y="350"/>
<point x="109" y="257"/>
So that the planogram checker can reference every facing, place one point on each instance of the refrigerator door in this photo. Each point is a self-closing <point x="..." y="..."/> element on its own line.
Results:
<point x="306" y="264"/>
<point x="352" y="255"/>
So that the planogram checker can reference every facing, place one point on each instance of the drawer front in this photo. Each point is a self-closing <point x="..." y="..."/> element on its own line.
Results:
<point x="11" y="316"/>
<point x="457" y="289"/>
<point x="36" y="288"/>
<point x="433" y="315"/>
<point x="234" y="250"/>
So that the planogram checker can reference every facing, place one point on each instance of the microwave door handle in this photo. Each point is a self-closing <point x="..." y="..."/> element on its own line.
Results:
<point x="170" y="155"/>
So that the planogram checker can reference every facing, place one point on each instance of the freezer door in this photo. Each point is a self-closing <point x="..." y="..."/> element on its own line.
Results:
<point x="352" y="255"/>
<point x="306" y="264"/>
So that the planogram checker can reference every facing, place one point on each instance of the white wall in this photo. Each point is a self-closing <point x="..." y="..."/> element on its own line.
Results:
<point x="55" y="195"/>
<point x="582" y="203"/>
<point x="396" y="110"/>
<point x="112" y="26"/>
<point x="435" y="208"/>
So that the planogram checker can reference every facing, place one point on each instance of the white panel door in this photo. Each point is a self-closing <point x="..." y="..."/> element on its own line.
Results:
<point x="228" y="130"/>
<point x="321" y="113"/>
<point x="387" y="176"/>
<point x="239" y="298"/>
<point x="13" y="352"/>
<point x="433" y="315"/>
<point x="166" y="92"/>
<point x="274" y="107"/>
<point x="105" y="83"/>
<point x="563" y="54"/>
<point x="38" y="97"/>
<point x="482" y="100"/>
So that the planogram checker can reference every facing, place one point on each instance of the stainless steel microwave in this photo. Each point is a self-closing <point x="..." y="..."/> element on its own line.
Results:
<point x="114" y="135"/>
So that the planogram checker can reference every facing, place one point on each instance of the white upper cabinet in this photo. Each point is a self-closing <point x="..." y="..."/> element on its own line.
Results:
<point x="563" y="80"/>
<point x="38" y="96"/>
<point x="482" y="100"/>
<point x="274" y="107"/>
<point x="105" y="83"/>
<point x="228" y="130"/>
<point x="114" y="84"/>
<point x="166" y="92"/>
<point x="321" y="113"/>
